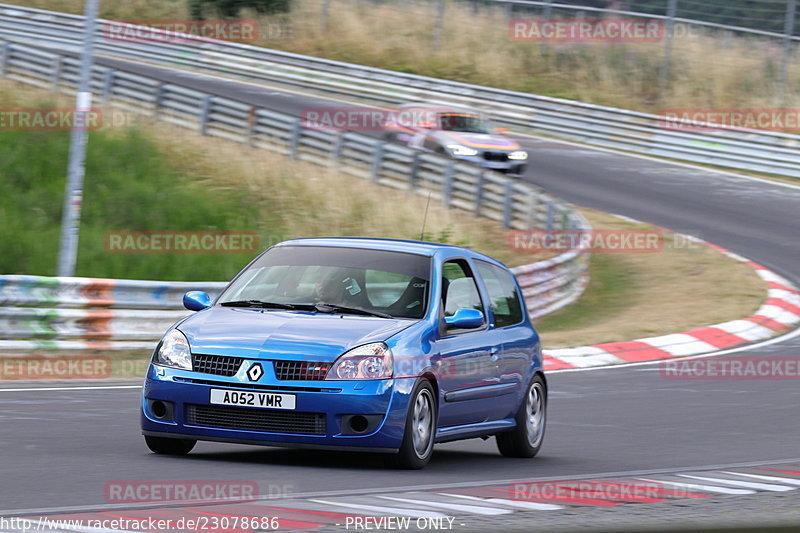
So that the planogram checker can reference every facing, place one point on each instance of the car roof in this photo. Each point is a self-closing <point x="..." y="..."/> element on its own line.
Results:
<point x="445" y="108"/>
<point x="392" y="245"/>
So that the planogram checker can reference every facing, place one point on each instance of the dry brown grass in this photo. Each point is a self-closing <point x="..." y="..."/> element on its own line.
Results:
<point x="708" y="71"/>
<point x="639" y="295"/>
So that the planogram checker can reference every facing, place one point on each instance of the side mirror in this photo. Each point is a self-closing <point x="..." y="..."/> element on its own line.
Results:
<point x="464" y="318"/>
<point x="501" y="130"/>
<point x="196" y="300"/>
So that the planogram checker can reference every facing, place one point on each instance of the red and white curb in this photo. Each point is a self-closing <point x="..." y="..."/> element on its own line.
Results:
<point x="780" y="312"/>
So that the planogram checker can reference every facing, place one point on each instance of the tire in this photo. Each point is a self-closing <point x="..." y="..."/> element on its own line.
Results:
<point x="526" y="439"/>
<point x="420" y="430"/>
<point x="167" y="446"/>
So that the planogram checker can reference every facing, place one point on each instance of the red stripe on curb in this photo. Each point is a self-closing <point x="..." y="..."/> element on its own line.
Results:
<point x="551" y="363"/>
<point x="767" y="322"/>
<point x="634" y="351"/>
<point x="716" y="337"/>
<point x="782" y="471"/>
<point x="779" y="286"/>
<point x="783" y="304"/>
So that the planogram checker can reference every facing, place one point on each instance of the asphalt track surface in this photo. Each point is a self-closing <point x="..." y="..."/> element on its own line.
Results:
<point x="59" y="447"/>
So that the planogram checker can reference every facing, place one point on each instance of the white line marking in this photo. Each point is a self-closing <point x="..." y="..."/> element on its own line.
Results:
<point x="511" y="503"/>
<point x="473" y="509"/>
<point x="746" y="484"/>
<point x="694" y="486"/>
<point x="391" y="510"/>
<point x="109" y="387"/>
<point x="766" y="478"/>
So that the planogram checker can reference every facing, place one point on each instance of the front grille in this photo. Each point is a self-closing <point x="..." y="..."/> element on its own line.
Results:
<point x="300" y="370"/>
<point x="495" y="156"/>
<point x="218" y="365"/>
<point x="273" y="421"/>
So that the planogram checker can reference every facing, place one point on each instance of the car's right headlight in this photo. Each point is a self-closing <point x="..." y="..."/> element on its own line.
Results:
<point x="370" y="361"/>
<point x="174" y="351"/>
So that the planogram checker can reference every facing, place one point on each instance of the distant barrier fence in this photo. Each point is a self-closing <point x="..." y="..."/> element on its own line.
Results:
<point x="641" y="133"/>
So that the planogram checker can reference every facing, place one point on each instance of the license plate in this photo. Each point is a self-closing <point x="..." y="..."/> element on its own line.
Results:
<point x="263" y="400"/>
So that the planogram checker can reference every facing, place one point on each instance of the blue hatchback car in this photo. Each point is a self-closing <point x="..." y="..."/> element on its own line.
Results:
<point x="362" y="344"/>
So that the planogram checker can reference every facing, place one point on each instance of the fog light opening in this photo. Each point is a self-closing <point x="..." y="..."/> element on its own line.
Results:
<point x="159" y="409"/>
<point x="359" y="424"/>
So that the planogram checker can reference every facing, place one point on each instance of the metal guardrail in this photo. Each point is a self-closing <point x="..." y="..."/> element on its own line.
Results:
<point x="641" y="133"/>
<point x="78" y="313"/>
<point x="39" y="312"/>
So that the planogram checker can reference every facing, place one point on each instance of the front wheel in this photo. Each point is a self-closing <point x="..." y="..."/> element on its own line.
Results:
<point x="525" y="440"/>
<point x="166" y="446"/>
<point x="420" y="430"/>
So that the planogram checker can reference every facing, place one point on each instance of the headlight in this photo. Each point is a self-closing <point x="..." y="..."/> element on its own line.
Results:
<point x="174" y="351"/>
<point x="371" y="361"/>
<point x="519" y="155"/>
<point x="458" y="149"/>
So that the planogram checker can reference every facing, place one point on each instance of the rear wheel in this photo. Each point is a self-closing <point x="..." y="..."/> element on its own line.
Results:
<point x="420" y="430"/>
<point x="165" y="446"/>
<point x="526" y="439"/>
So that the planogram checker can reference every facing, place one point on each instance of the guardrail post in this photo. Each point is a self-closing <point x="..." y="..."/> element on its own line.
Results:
<point x="551" y="214"/>
<point x="58" y="64"/>
<point x="412" y="175"/>
<point x="205" y="111"/>
<point x="479" y="192"/>
<point x="377" y="162"/>
<point x="252" y="122"/>
<point x="534" y="201"/>
<point x="294" y="140"/>
<point x="108" y="85"/>
<point x="158" y="96"/>
<point x="5" y="57"/>
<point x="338" y="146"/>
<point x="508" y="205"/>
<point x="447" y="183"/>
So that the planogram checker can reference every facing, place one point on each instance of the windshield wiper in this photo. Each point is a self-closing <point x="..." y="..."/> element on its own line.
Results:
<point x="261" y="304"/>
<point x="333" y="308"/>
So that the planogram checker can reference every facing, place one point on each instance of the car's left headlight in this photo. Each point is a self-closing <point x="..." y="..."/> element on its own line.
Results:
<point x="458" y="149"/>
<point x="174" y="351"/>
<point x="370" y="361"/>
<point x="519" y="155"/>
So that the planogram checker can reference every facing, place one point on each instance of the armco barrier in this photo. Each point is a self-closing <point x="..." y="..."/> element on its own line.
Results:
<point x="41" y="312"/>
<point x="760" y="151"/>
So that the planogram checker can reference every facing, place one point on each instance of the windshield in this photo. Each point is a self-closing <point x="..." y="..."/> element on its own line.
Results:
<point x="377" y="281"/>
<point x="464" y="123"/>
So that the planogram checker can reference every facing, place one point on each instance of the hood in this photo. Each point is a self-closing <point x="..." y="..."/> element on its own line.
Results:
<point x="298" y="336"/>
<point x="480" y="140"/>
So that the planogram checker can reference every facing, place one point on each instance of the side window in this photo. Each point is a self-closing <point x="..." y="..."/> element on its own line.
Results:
<point x="459" y="289"/>
<point x="506" y="301"/>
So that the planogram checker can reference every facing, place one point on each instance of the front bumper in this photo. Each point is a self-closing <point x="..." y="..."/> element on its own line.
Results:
<point x="384" y="402"/>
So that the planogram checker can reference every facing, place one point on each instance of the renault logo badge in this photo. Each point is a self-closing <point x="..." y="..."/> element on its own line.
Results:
<point x="255" y="372"/>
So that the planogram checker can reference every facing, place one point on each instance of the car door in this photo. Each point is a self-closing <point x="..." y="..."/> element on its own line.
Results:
<point x="466" y="360"/>
<point x="518" y="339"/>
